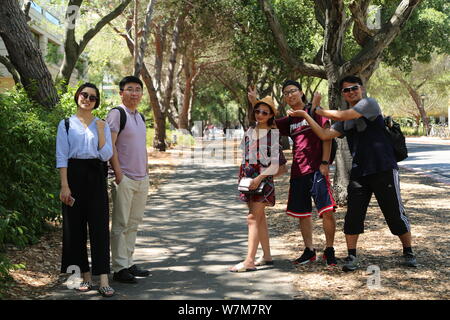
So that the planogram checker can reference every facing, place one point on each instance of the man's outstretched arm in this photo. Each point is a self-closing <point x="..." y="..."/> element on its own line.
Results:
<point x="322" y="133"/>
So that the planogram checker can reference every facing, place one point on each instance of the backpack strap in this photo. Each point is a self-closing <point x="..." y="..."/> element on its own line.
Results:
<point x="67" y="124"/>
<point x="123" y="118"/>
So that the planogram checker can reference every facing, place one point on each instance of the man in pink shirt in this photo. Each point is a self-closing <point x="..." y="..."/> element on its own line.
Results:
<point x="130" y="187"/>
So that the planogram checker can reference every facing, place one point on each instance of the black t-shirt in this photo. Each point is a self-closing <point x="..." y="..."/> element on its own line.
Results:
<point x="371" y="150"/>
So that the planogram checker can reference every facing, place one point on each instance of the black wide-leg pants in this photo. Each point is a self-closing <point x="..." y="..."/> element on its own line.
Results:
<point x="88" y="185"/>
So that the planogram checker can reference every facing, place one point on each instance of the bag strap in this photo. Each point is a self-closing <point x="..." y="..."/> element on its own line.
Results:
<point x="67" y="124"/>
<point x="123" y="118"/>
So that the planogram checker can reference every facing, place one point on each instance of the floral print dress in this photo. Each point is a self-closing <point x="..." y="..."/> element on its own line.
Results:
<point x="257" y="156"/>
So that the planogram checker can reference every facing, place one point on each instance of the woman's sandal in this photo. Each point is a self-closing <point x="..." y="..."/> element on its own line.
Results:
<point x="261" y="262"/>
<point x="106" y="292"/>
<point x="240" y="267"/>
<point x="85" y="286"/>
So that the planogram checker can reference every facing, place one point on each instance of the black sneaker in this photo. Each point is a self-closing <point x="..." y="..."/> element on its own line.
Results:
<point x="124" y="276"/>
<point x="409" y="260"/>
<point x="329" y="257"/>
<point x="307" y="256"/>
<point x="351" y="264"/>
<point x="138" y="272"/>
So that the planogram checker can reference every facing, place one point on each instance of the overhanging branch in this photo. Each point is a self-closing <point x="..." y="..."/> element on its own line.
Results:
<point x="382" y="39"/>
<point x="307" y="69"/>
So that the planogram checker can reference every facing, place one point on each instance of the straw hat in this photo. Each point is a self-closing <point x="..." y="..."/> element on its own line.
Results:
<point x="268" y="101"/>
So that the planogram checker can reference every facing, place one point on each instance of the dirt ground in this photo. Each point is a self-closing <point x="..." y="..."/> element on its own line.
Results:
<point x="428" y="206"/>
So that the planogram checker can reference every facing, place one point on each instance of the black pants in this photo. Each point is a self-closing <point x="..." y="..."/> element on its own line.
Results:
<point x="386" y="187"/>
<point x="87" y="183"/>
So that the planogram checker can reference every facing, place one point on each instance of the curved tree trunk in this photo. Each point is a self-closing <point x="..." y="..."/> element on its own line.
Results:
<point x="73" y="49"/>
<point x="25" y="56"/>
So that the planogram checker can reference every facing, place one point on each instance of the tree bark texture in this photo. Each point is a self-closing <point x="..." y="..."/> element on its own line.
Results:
<point x="25" y="56"/>
<point x="191" y="72"/>
<point x="144" y="38"/>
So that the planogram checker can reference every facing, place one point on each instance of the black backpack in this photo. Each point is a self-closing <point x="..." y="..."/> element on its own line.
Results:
<point x="105" y="163"/>
<point x="395" y="135"/>
<point x="123" y="118"/>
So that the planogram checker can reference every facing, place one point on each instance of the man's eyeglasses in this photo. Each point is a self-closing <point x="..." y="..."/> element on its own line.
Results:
<point x="264" y="113"/>
<point x="86" y="95"/>
<point x="288" y="93"/>
<point x="130" y="90"/>
<point x="349" y="89"/>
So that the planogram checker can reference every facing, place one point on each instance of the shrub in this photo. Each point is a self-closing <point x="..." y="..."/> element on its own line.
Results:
<point x="413" y="131"/>
<point x="29" y="183"/>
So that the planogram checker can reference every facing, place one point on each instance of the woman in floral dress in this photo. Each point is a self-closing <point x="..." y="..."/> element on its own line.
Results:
<point x="263" y="160"/>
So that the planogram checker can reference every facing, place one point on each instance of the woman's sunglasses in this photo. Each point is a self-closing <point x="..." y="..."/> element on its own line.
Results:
<point x="349" y="89"/>
<point x="86" y="95"/>
<point x="264" y="113"/>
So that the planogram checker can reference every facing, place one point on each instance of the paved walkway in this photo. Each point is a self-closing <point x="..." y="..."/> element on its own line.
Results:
<point x="430" y="157"/>
<point x="194" y="229"/>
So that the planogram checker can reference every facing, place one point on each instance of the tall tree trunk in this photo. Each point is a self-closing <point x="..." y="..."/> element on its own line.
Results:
<point x="191" y="72"/>
<point x="136" y="35"/>
<point x="143" y="44"/>
<point x="159" y="140"/>
<point x="25" y="56"/>
<point x="173" y="59"/>
<point x="184" y="113"/>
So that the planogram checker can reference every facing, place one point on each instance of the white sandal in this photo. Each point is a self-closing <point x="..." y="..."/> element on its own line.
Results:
<point x="240" y="267"/>
<point x="261" y="262"/>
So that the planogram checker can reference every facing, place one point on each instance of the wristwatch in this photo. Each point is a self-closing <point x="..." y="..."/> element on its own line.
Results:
<point x="324" y="162"/>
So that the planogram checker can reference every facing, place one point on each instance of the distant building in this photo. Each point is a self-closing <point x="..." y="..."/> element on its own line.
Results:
<point x="47" y="27"/>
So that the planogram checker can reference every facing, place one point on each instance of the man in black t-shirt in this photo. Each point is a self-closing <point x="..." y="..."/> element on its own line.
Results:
<point x="374" y="168"/>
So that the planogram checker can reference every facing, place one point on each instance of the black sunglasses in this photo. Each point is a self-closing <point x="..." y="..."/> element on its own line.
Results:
<point x="352" y="88"/>
<point x="264" y="113"/>
<point x="86" y="95"/>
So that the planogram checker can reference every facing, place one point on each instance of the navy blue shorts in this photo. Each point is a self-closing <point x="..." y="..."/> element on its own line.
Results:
<point x="301" y="190"/>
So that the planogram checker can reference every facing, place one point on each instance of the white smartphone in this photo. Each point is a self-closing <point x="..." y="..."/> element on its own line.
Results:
<point x="71" y="201"/>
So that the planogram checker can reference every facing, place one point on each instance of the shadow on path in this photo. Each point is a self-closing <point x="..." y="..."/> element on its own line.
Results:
<point x="194" y="229"/>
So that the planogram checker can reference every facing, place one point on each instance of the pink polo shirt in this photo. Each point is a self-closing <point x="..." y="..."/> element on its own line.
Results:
<point x="131" y="143"/>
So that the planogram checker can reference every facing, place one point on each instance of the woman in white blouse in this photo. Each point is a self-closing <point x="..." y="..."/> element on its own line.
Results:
<point x="83" y="145"/>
